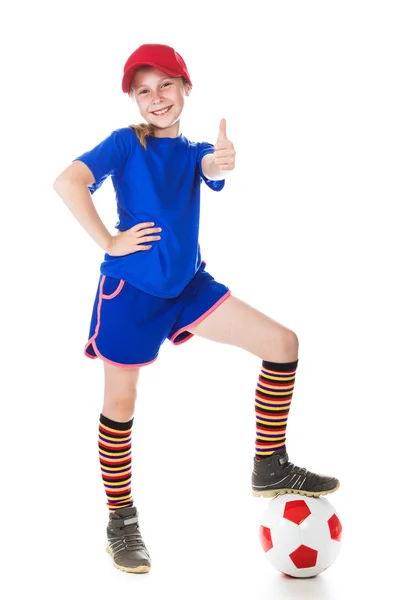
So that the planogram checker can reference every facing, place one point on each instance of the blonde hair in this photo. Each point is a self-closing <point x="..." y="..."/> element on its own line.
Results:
<point x="144" y="130"/>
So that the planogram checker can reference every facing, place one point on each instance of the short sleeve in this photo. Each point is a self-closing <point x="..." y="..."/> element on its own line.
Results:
<point x="207" y="148"/>
<point x="107" y="158"/>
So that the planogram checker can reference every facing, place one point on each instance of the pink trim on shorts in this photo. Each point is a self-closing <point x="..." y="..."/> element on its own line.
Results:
<point x="197" y="321"/>
<point x="112" y="362"/>
<point x="117" y="291"/>
<point x="96" y="331"/>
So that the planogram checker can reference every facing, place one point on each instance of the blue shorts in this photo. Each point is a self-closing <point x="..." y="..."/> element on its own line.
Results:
<point x="129" y="326"/>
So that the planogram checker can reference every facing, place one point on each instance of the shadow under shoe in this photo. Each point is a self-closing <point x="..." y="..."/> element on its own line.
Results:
<point x="125" y="542"/>
<point x="276" y="475"/>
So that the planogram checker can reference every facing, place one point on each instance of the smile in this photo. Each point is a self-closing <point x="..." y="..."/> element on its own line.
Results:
<point x="162" y="111"/>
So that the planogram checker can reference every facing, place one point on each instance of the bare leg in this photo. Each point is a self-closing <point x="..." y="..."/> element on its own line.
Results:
<point x="119" y="392"/>
<point x="236" y="323"/>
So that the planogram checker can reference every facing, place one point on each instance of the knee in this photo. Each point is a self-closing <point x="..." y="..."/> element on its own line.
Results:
<point x="290" y="344"/>
<point x="119" y="406"/>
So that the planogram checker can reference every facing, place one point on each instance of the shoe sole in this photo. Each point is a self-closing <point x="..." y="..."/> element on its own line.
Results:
<point x="271" y="493"/>
<point x="139" y="569"/>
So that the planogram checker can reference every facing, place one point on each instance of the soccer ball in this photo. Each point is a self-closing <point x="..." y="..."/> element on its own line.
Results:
<point x="301" y="536"/>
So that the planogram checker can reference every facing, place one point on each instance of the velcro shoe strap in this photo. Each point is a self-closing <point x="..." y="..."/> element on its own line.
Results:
<point x="130" y="520"/>
<point x="283" y="459"/>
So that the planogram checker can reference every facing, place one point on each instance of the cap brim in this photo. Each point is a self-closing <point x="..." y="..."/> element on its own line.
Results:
<point x="128" y="75"/>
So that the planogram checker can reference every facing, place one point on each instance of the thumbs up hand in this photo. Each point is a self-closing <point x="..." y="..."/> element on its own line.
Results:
<point x="224" y="152"/>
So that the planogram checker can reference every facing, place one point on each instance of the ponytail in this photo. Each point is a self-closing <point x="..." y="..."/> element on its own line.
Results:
<point x="143" y="130"/>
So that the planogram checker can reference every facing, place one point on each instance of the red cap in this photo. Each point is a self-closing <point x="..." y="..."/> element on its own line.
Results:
<point x="161" y="57"/>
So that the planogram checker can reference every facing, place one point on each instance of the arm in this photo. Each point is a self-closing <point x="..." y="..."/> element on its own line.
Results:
<point x="210" y="169"/>
<point x="71" y="186"/>
<point x="216" y="166"/>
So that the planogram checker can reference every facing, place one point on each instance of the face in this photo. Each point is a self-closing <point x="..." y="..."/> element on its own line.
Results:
<point x="153" y="91"/>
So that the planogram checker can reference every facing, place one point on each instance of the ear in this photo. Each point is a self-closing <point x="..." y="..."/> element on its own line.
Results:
<point x="186" y="87"/>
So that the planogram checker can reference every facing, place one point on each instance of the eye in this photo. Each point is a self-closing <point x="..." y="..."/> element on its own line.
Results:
<point x="143" y="91"/>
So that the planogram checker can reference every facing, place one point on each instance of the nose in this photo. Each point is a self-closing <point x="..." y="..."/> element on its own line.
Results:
<point x="156" y="97"/>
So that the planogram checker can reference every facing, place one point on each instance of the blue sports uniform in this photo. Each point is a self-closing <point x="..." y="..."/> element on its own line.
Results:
<point x="147" y="296"/>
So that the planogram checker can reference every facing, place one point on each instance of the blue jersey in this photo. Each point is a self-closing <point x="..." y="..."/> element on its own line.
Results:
<point x="161" y="185"/>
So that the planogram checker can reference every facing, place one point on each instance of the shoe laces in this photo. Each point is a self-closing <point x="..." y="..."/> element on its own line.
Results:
<point x="132" y="541"/>
<point x="300" y="470"/>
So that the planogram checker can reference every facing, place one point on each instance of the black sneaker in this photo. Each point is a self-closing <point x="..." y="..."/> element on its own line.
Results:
<point x="125" y="542"/>
<point x="276" y="475"/>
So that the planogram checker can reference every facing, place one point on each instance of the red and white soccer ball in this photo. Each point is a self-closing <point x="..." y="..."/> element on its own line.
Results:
<point x="301" y="536"/>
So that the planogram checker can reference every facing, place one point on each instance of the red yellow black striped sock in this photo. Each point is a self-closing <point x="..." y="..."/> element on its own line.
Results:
<point x="272" y="403"/>
<point x="115" y="461"/>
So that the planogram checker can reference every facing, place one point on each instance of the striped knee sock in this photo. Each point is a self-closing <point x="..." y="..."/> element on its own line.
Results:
<point x="115" y="461"/>
<point x="272" y="403"/>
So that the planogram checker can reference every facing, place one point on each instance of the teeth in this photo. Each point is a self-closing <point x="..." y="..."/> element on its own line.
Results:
<point x="161" y="112"/>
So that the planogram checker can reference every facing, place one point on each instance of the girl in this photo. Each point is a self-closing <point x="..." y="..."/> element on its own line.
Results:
<point x="153" y="285"/>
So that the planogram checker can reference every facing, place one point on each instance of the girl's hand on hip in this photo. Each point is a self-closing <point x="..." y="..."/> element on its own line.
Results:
<point x="133" y="239"/>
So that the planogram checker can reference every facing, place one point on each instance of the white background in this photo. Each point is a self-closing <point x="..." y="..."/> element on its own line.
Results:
<point x="305" y="230"/>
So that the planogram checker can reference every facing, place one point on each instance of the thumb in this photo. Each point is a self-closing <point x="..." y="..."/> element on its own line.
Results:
<point x="222" y="130"/>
